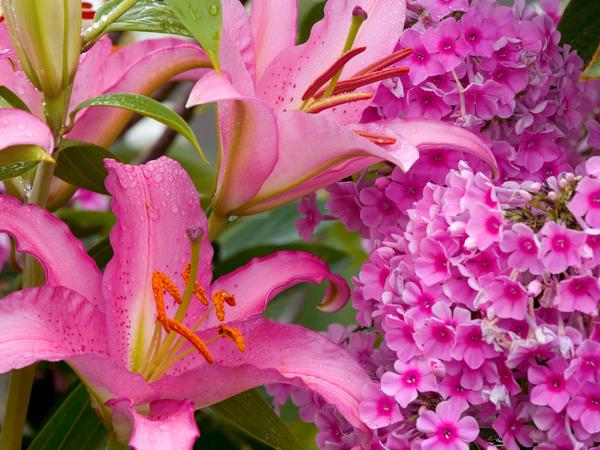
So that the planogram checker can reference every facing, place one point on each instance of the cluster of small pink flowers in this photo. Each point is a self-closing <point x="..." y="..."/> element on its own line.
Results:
<point x="498" y="71"/>
<point x="487" y="305"/>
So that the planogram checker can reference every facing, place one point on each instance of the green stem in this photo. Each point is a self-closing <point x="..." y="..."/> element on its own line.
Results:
<point x="93" y="32"/>
<point x="216" y="225"/>
<point x="21" y="380"/>
<point x="113" y="444"/>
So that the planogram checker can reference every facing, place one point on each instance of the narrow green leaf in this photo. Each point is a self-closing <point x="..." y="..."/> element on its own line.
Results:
<point x="203" y="20"/>
<point x="81" y="164"/>
<point x="252" y="413"/>
<point x="8" y="99"/>
<point x="102" y="252"/>
<point x="146" y="15"/>
<point x="147" y="107"/>
<point x="580" y="27"/>
<point x="592" y="71"/>
<point x="17" y="160"/>
<point x="73" y="425"/>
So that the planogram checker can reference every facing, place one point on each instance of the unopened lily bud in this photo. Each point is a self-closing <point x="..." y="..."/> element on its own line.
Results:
<point x="46" y="35"/>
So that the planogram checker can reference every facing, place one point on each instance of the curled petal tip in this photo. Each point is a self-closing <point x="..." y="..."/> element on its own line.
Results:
<point x="336" y="296"/>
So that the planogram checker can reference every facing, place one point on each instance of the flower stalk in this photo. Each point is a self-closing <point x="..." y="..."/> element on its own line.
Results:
<point x="94" y="31"/>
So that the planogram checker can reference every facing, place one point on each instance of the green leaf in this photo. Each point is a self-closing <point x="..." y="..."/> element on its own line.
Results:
<point x="17" y="160"/>
<point x="87" y="223"/>
<point x="252" y="413"/>
<point x="203" y="20"/>
<point x="73" y="425"/>
<point x="146" y="15"/>
<point x="147" y="107"/>
<point x="592" y="71"/>
<point x="580" y="27"/>
<point x="81" y="164"/>
<point x="101" y="252"/>
<point x="8" y="99"/>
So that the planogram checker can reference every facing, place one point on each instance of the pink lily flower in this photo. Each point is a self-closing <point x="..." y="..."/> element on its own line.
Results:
<point x="282" y="133"/>
<point x="137" y="68"/>
<point x="149" y="359"/>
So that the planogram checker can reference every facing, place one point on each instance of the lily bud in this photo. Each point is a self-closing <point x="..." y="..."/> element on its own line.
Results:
<point x="46" y="35"/>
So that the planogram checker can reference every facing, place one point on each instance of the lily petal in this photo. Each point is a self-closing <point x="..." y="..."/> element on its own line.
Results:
<point x="273" y="24"/>
<point x="275" y="353"/>
<point x="258" y="282"/>
<point x="155" y="204"/>
<point x="19" y="127"/>
<point x="138" y="68"/>
<point x="248" y="153"/>
<point x="170" y="424"/>
<point x="42" y="235"/>
<point x="432" y="134"/>
<point x="48" y="323"/>
<point x="290" y="73"/>
<point x="313" y="144"/>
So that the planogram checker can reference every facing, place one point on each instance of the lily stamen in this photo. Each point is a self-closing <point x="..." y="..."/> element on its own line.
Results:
<point x="233" y="334"/>
<point x="336" y="100"/>
<point x="198" y="290"/>
<point x="384" y="62"/>
<point x="357" y="82"/>
<point x="219" y="299"/>
<point x="380" y="139"/>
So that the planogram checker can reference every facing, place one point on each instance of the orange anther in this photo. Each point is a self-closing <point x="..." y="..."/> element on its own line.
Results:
<point x="234" y="335"/>
<point x="219" y="299"/>
<point x="380" y="139"/>
<point x="198" y="290"/>
<point x="190" y="336"/>
<point x="161" y="284"/>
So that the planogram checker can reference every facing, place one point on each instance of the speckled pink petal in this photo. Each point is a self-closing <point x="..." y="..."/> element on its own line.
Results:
<point x="290" y="73"/>
<point x="169" y="425"/>
<point x="138" y="68"/>
<point x="48" y="324"/>
<point x="155" y="204"/>
<point x="273" y="24"/>
<point x="63" y="257"/>
<point x="19" y="127"/>
<point x="255" y="284"/>
<point x="275" y="353"/>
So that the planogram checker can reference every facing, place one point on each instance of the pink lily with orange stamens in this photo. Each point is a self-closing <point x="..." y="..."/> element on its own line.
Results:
<point x="152" y="337"/>
<point x="290" y="115"/>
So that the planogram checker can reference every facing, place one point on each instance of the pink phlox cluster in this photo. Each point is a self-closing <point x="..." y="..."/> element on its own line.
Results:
<point x="499" y="71"/>
<point x="487" y="306"/>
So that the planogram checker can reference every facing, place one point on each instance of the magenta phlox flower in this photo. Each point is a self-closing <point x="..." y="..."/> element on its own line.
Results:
<point x="508" y="298"/>
<point x="436" y="337"/>
<point x="408" y="380"/>
<point x="481" y="98"/>
<point x="512" y="427"/>
<point x="482" y="264"/>
<point x="586" y="201"/>
<point x="452" y="390"/>
<point x="445" y="41"/>
<point x="374" y="274"/>
<point x="561" y="247"/>
<point x="311" y="216"/>
<point x="523" y="246"/>
<point x="512" y="77"/>
<point x="399" y="336"/>
<point x="420" y="300"/>
<point x="431" y="266"/>
<point x="536" y="148"/>
<point x="578" y="294"/>
<point x="525" y="352"/>
<point x="436" y="163"/>
<point x="552" y="387"/>
<point x="343" y="204"/>
<point x="478" y="33"/>
<point x="546" y="419"/>
<point x="422" y="63"/>
<point x="586" y="365"/>
<point x="378" y="410"/>
<point x="405" y="188"/>
<point x="445" y="428"/>
<point x="593" y="242"/>
<point x="425" y="101"/>
<point x="585" y="407"/>
<point x="485" y="225"/>
<point x="378" y="211"/>
<point x="470" y="345"/>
